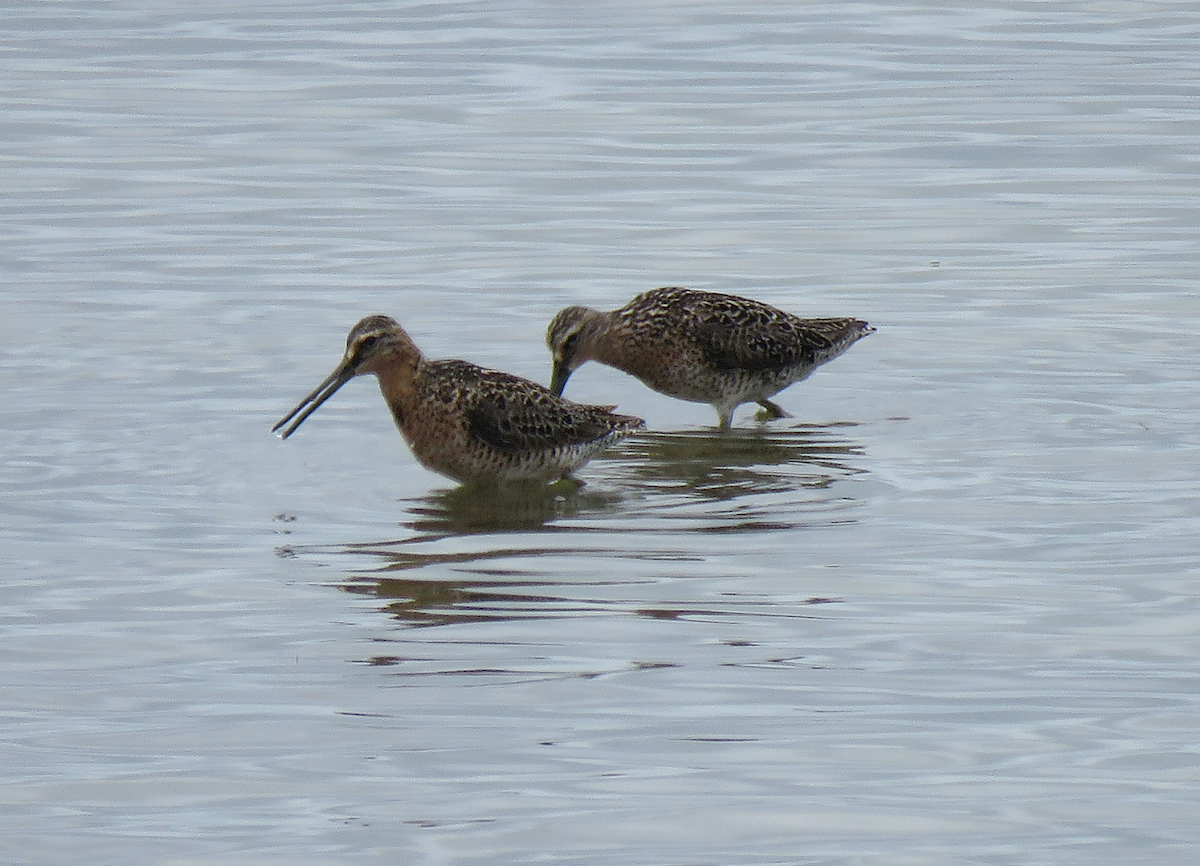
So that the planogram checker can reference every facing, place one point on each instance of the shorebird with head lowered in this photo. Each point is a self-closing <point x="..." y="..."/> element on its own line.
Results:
<point x="701" y="346"/>
<point x="466" y="422"/>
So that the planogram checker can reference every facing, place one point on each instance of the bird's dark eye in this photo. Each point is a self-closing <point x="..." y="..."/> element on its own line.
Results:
<point x="570" y="342"/>
<point x="368" y="343"/>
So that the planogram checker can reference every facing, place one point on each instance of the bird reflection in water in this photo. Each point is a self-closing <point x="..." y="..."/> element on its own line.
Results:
<point x="485" y="592"/>
<point x="445" y="602"/>
<point x="730" y="464"/>
<point x="473" y="509"/>
<point x="702" y="465"/>
<point x="702" y="482"/>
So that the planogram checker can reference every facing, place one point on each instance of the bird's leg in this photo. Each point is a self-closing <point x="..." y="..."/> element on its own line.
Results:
<point x="771" y="411"/>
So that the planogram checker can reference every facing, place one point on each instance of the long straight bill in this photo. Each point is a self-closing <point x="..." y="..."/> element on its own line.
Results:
<point x="313" y="401"/>
<point x="559" y="376"/>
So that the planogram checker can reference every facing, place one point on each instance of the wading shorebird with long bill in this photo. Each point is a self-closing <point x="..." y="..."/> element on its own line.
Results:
<point x="703" y="347"/>
<point x="464" y="421"/>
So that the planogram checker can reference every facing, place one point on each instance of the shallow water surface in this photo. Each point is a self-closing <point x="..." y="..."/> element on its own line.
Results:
<point x="946" y="613"/>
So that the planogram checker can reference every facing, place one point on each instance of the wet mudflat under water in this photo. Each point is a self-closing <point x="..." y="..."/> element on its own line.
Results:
<point x="947" y="613"/>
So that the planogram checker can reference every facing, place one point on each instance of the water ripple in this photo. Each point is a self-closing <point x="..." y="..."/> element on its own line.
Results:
<point x="606" y="547"/>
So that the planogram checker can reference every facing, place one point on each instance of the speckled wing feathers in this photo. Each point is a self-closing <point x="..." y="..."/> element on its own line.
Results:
<point x="735" y="333"/>
<point x="771" y="345"/>
<point x="516" y="416"/>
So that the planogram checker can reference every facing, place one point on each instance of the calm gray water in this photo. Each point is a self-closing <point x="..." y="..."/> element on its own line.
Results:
<point x="946" y="614"/>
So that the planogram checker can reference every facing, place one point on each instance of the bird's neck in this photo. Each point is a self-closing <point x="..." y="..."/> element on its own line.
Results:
<point x="596" y="343"/>
<point x="399" y="380"/>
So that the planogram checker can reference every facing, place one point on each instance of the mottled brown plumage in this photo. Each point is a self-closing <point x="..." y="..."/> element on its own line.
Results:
<point x="700" y="346"/>
<point x="466" y="422"/>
